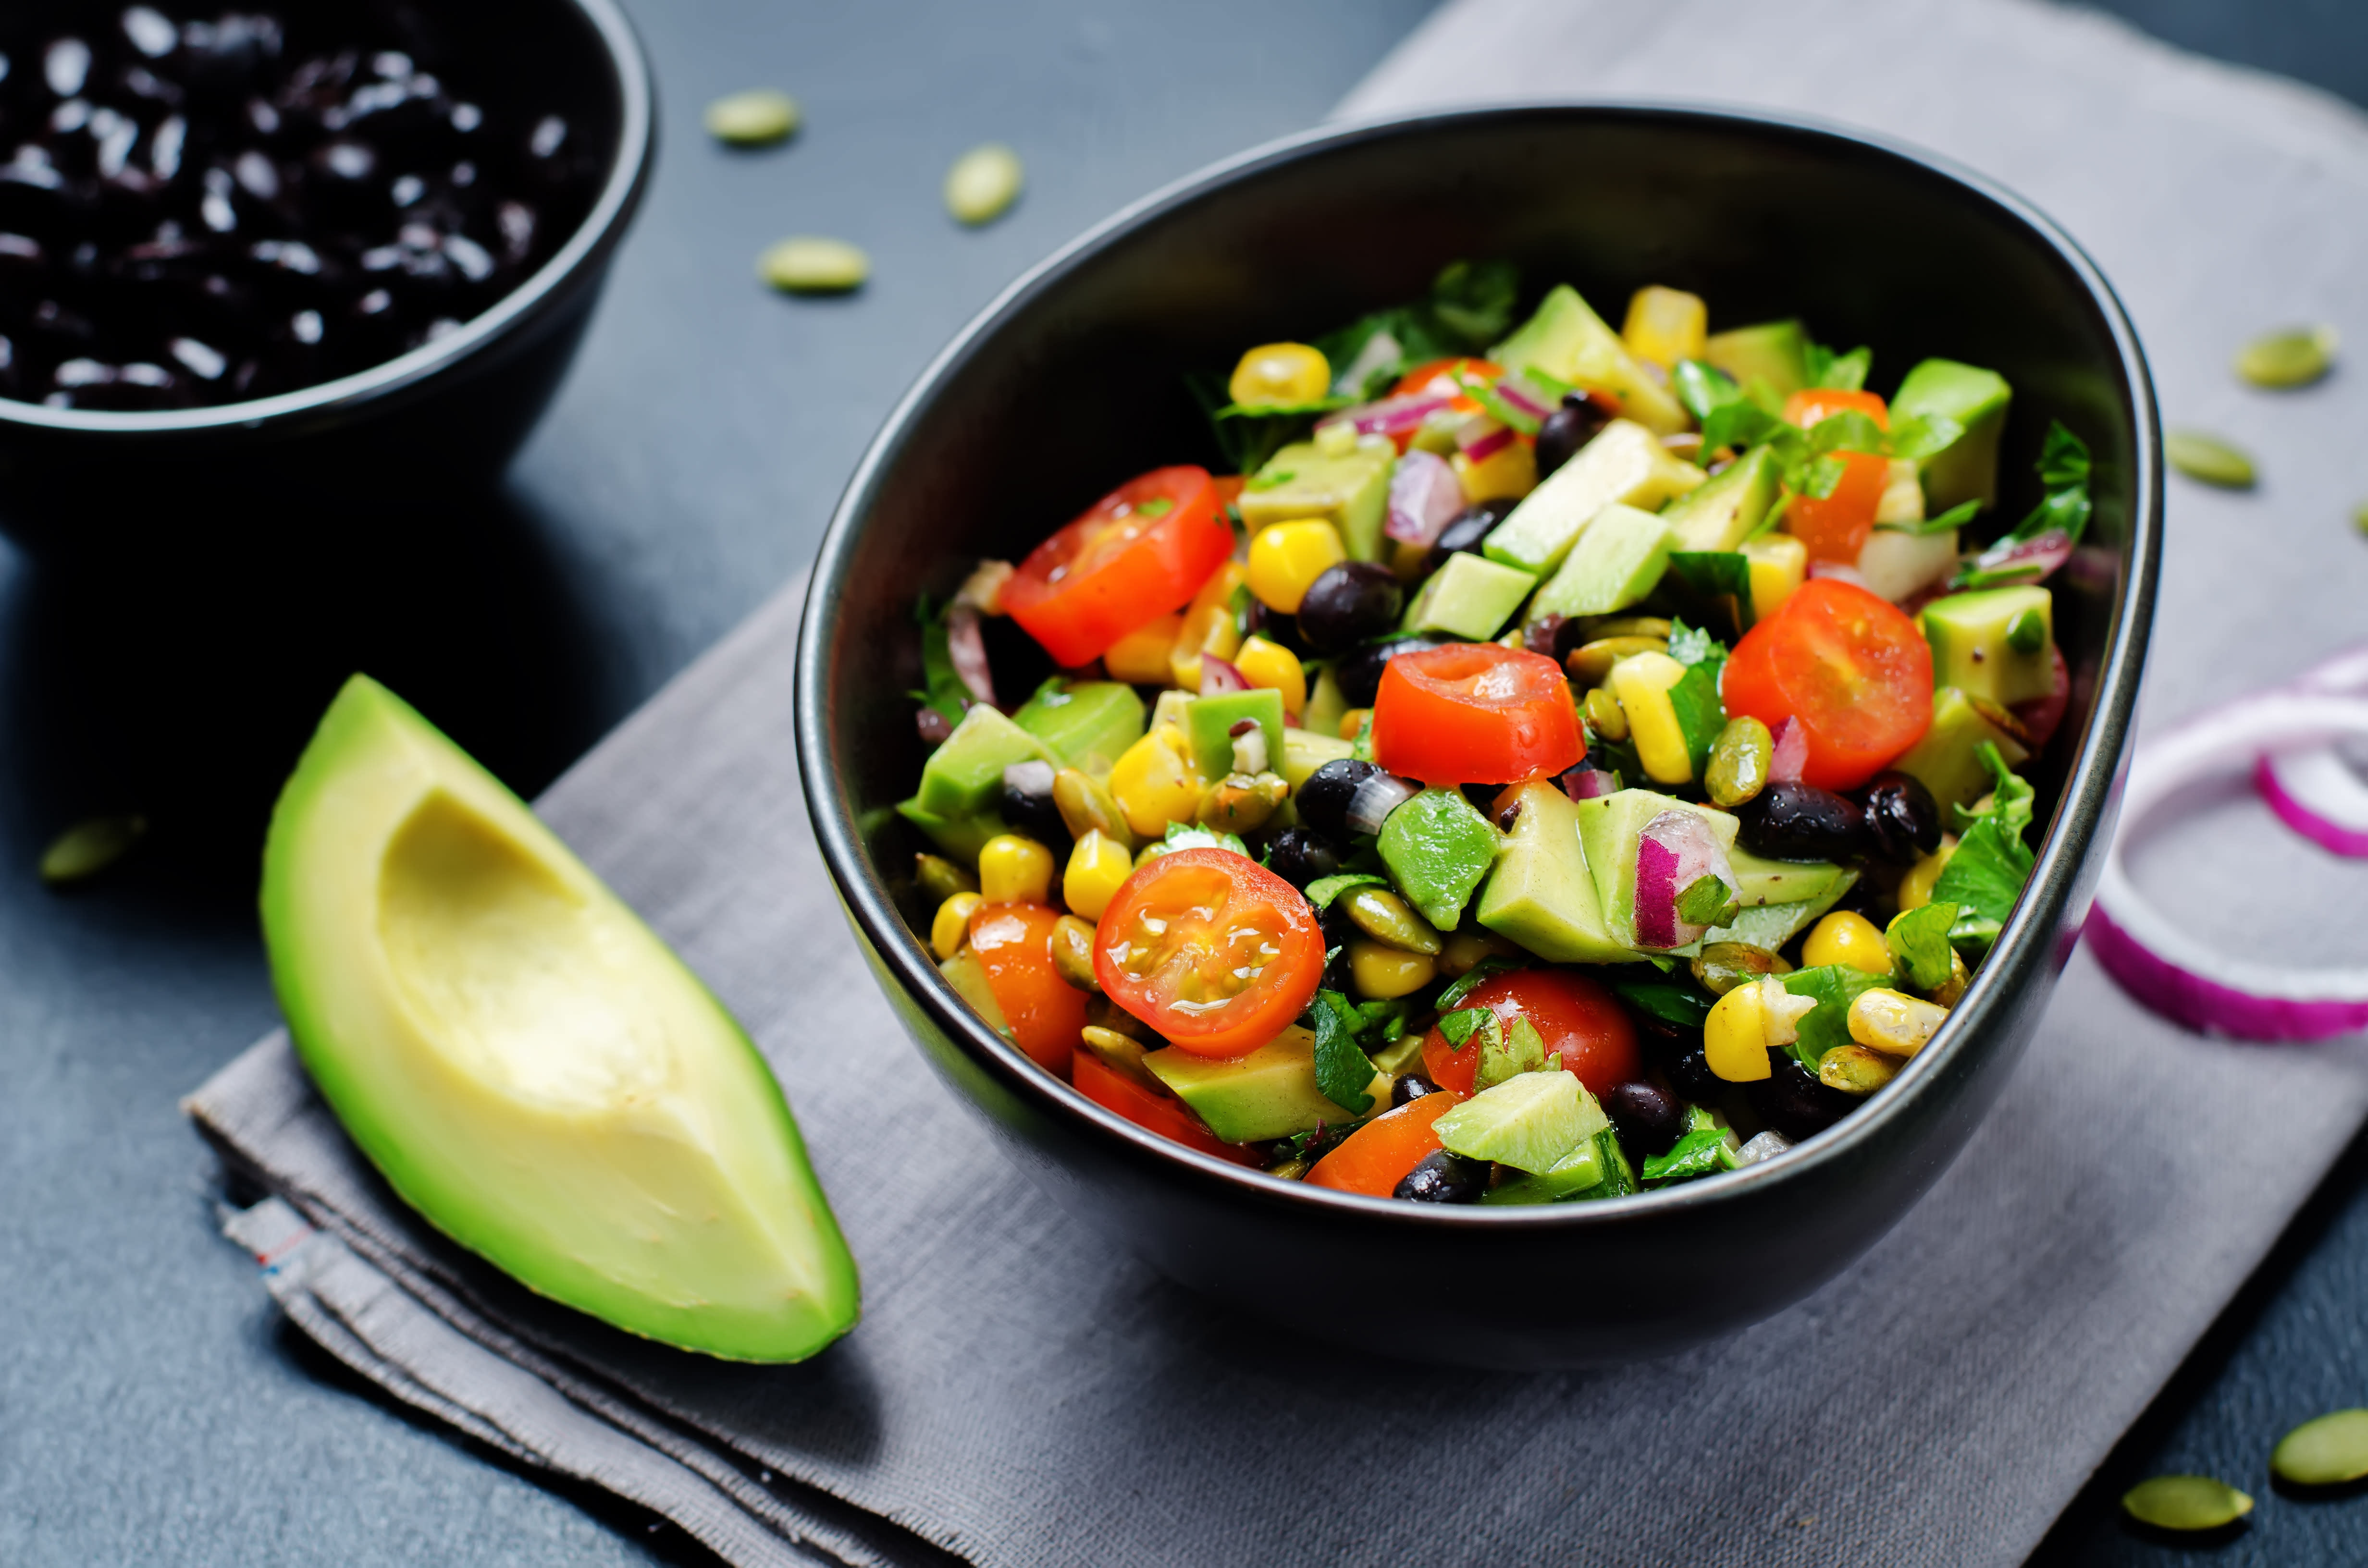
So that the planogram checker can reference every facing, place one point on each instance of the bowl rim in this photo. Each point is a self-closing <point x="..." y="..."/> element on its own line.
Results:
<point x="597" y="233"/>
<point x="2030" y="937"/>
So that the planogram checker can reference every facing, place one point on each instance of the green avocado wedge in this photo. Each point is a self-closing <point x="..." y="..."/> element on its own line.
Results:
<point x="525" y="1062"/>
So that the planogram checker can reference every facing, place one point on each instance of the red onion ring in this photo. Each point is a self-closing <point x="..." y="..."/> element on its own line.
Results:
<point x="2315" y="792"/>
<point x="1482" y="439"/>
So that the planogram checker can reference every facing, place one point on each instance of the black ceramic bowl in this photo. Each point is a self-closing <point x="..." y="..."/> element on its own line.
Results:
<point x="1068" y="384"/>
<point x="446" y="414"/>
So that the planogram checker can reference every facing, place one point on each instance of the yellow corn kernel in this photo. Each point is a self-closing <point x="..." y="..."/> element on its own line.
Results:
<point x="1384" y="973"/>
<point x="1855" y="1069"/>
<point x="1154" y="784"/>
<point x="1281" y="374"/>
<point x="1096" y="866"/>
<point x="1916" y="887"/>
<point x="1286" y="557"/>
<point x="1353" y="722"/>
<point x="1642" y="683"/>
<point x="1273" y="665"/>
<point x="1208" y="626"/>
<point x="1734" y="1036"/>
<point x="1779" y="564"/>
<point x="950" y="928"/>
<point x="1012" y="870"/>
<point x="1506" y="474"/>
<point x="1141" y="656"/>
<point x="1894" y="1022"/>
<point x="1852" y="940"/>
<point x="1665" y="326"/>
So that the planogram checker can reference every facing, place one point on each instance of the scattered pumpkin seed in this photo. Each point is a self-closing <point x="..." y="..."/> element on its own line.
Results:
<point x="89" y="847"/>
<point x="2185" y="1503"/>
<point x="758" y="118"/>
<point x="2209" y="458"/>
<point x="2328" y="1451"/>
<point x="2294" y="357"/>
<point x="2360" y="516"/>
<point x="808" y="264"/>
<point x="983" y="184"/>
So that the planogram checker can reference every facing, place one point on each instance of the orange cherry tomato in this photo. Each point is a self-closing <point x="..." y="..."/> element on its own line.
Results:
<point x="1577" y="1018"/>
<point x="1212" y="949"/>
<point x="1140" y="551"/>
<point x="1835" y="527"/>
<point x="1377" y="1157"/>
<point x="1475" y="713"/>
<point x="1163" y="1114"/>
<point x="1810" y="404"/>
<point x="1850" y="665"/>
<point x="1444" y="372"/>
<point x="1014" y="943"/>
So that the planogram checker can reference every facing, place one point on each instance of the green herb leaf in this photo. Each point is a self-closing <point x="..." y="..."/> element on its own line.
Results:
<point x="1820" y="477"/>
<point x="1324" y="890"/>
<point x="1717" y="577"/>
<point x="1274" y="480"/>
<point x="1707" y="901"/>
<point x="1457" y="1027"/>
<point x="1158" y="506"/>
<point x="1917" y="436"/>
<point x="1956" y="517"/>
<point x="1703" y="388"/>
<point x="1918" y="940"/>
<point x="1985" y="877"/>
<point x="1473" y="979"/>
<point x="1849" y="431"/>
<point x="1838" y="372"/>
<point x="1670" y="1001"/>
<point x="1833" y="987"/>
<point x="1508" y="1054"/>
<point x="1691" y="645"/>
<point x="1188" y="836"/>
<point x="1342" y="1069"/>
<point x="1485" y="393"/>
<point x="1472" y="301"/>
<point x="944" y="688"/>
<point x="1704" y="1151"/>
<point x="2064" y="469"/>
<point x="1741" y="423"/>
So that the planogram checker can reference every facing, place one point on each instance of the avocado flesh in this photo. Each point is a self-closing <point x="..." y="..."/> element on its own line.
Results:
<point x="1271" y="1093"/>
<point x="1775" y="354"/>
<point x="1721" y="515"/>
<point x="1617" y="562"/>
<point x="1970" y="650"/>
<point x="1438" y="847"/>
<point x="1210" y="721"/>
<point x="1568" y="341"/>
<point x="1541" y="895"/>
<point x="1760" y="880"/>
<point x="960" y="837"/>
<point x="1966" y="468"/>
<point x="1471" y="597"/>
<point x="1087" y="722"/>
<point x="528" y="1066"/>
<point x="1350" y="491"/>
<point x="1625" y="464"/>
<point x="1304" y="751"/>
<point x="963" y="778"/>
<point x="1770" y="925"/>
<point x="1948" y="759"/>
<point x="1611" y="827"/>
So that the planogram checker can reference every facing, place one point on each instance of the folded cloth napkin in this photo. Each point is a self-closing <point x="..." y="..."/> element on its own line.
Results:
<point x="1019" y="1393"/>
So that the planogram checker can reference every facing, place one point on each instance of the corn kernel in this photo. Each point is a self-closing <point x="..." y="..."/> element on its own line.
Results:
<point x="1855" y="1069"/>
<point x="1852" y="940"/>
<point x="1141" y="656"/>
<point x="950" y="928"/>
<point x="1642" y="683"/>
<point x="1097" y="866"/>
<point x="1353" y="722"/>
<point x="1916" y="887"/>
<point x="1506" y="474"/>
<point x="1779" y="562"/>
<point x="1012" y="870"/>
<point x="1154" y="784"/>
<point x="1665" y="326"/>
<point x="1281" y="374"/>
<point x="1277" y="667"/>
<point x="1894" y="1022"/>
<point x="1208" y="626"/>
<point x="1384" y="973"/>
<point x="1285" y="558"/>
<point x="1734" y="1036"/>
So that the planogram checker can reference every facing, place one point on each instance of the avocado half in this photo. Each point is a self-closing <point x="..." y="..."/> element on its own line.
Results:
<point x="525" y="1062"/>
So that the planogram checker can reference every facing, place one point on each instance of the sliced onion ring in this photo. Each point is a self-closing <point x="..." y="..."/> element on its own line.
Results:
<point x="2172" y="974"/>
<point x="2316" y="794"/>
<point x="1375" y="799"/>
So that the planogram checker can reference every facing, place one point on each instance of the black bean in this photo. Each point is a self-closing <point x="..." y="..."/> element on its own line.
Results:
<point x="1299" y="856"/>
<point x="1275" y="627"/>
<point x="1323" y="799"/>
<point x="1689" y="1074"/>
<point x="1647" y="1120"/>
<point x="1410" y="1087"/>
<point x="1465" y="531"/>
<point x="1444" y="1177"/>
<point x="1350" y="602"/>
<point x="1567" y="430"/>
<point x="1358" y="672"/>
<point x="1793" y="1102"/>
<point x="1792" y="821"/>
<point x="1034" y="815"/>
<point x="1903" y="821"/>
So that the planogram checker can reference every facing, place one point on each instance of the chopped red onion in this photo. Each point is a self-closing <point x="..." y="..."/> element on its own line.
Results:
<point x="1676" y="850"/>
<point x="2031" y="560"/>
<point x="1220" y="675"/>
<point x="1391" y="417"/>
<point x="967" y="649"/>
<point x="1516" y="389"/>
<point x="1031" y="777"/>
<point x="1375" y="799"/>
<point x="1424" y="496"/>
<point x="1840" y="572"/>
<point x="2319" y="793"/>
<point x="1482" y="439"/>
<point x="1792" y="753"/>
<point x="1588" y="783"/>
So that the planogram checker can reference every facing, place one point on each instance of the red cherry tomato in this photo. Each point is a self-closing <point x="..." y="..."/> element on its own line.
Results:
<point x="1140" y="551"/>
<point x="1163" y="1114"/>
<point x="1835" y="527"/>
<point x="1810" y="404"/>
<point x="1850" y="666"/>
<point x="1378" y="1156"/>
<point x="1014" y="943"/>
<point x="1573" y="1015"/>
<point x="1212" y="949"/>
<point x="1475" y="713"/>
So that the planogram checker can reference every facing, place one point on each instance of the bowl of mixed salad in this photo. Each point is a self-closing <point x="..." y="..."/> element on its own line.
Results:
<point x="1415" y="734"/>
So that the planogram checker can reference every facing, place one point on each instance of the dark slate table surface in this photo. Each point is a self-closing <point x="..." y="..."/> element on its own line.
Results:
<point x="152" y="1408"/>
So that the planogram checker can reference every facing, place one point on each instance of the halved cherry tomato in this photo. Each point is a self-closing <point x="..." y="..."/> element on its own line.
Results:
<point x="1848" y="666"/>
<point x="1140" y="551"/>
<point x="1835" y="527"/>
<point x="1475" y="713"/>
<point x="1164" y="1115"/>
<point x="1212" y="949"/>
<point x="1014" y="943"/>
<point x="1444" y="372"/>
<point x="1377" y="1157"/>
<point x="1576" y="1017"/>
<point x="1810" y="404"/>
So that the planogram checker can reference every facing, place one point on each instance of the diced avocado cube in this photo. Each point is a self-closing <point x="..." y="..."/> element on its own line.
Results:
<point x="1986" y="645"/>
<point x="1580" y="1171"/>
<point x="1210" y="720"/>
<point x="1086" y="722"/>
<point x="1617" y="562"/>
<point x="1271" y="1093"/>
<point x="964" y="775"/>
<point x="1625" y="464"/>
<point x="1758" y="880"/>
<point x="1530" y="1122"/>
<point x="1304" y="751"/>
<point x="1567" y="340"/>
<point x="1775" y="354"/>
<point x="1611" y="827"/>
<point x="1350" y="489"/>
<point x="1966" y="468"/>
<point x="1770" y="925"/>
<point x="1540" y="893"/>
<point x="1947" y="759"/>
<point x="961" y="838"/>
<point x="1721" y="515"/>
<point x="1326" y="704"/>
<point x="1471" y="597"/>
<point x="1437" y="847"/>
<point x="968" y="976"/>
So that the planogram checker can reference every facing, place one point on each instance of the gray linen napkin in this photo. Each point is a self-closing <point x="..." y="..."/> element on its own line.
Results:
<point x="1018" y="1394"/>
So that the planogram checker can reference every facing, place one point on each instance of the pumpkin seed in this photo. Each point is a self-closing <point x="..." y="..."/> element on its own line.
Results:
<point x="2293" y="357"/>
<point x="1073" y="952"/>
<point x="2185" y="1503"/>
<point x="1723" y="966"/>
<point x="1590" y="662"/>
<point x="2209" y="458"/>
<point x="1855" y="1069"/>
<point x="983" y="184"/>
<point x="1605" y="714"/>
<point x="2328" y="1451"/>
<point x="89" y="847"/>
<point x="757" y="118"/>
<point x="1386" y="918"/>
<point x="1739" y="760"/>
<point x="2360" y="516"/>
<point x="940" y="879"/>
<point x="808" y="264"/>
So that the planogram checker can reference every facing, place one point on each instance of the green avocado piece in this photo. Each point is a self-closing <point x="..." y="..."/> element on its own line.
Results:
<point x="1770" y="925"/>
<point x="1966" y="468"/>
<point x="1973" y="648"/>
<point x="1530" y="1122"/>
<point x="1760" y="880"/>
<point x="1596" y="1164"/>
<point x="1568" y="341"/>
<point x="961" y="838"/>
<point x="1271" y="1093"/>
<point x="968" y="977"/>
<point x="1211" y="720"/>
<point x="1350" y="491"/>
<point x="1948" y="759"/>
<point x="963" y="778"/>
<point x="1610" y="826"/>
<point x="1437" y="847"/>
<point x="1471" y="597"/>
<point x="1540" y="893"/>
<point x="1616" y="562"/>
<point x="1721" y="515"/>
<point x="1625" y="463"/>
<point x="1326" y="704"/>
<point x="526" y="1064"/>
<point x="1775" y="354"/>
<point x="1086" y="722"/>
<point x="1304" y="751"/>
